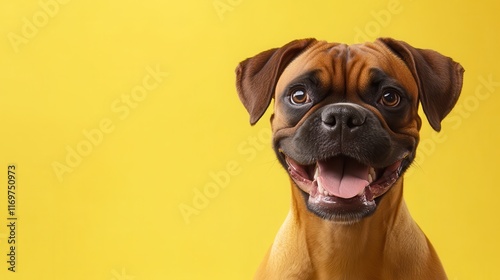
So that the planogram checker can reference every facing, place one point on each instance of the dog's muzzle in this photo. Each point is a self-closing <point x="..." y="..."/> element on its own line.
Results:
<point x="342" y="159"/>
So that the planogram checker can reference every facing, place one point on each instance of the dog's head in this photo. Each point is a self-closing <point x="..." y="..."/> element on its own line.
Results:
<point x="345" y="122"/>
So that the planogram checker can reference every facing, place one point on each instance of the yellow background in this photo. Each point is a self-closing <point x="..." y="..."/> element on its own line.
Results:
<point x="115" y="214"/>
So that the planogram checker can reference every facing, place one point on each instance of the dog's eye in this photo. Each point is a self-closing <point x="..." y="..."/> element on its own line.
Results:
<point x="299" y="96"/>
<point x="390" y="98"/>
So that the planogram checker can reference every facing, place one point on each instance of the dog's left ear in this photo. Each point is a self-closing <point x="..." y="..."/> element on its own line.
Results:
<point x="438" y="77"/>
<point x="256" y="77"/>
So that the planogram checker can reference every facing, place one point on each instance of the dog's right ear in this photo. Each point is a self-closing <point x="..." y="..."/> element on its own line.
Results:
<point x="256" y="77"/>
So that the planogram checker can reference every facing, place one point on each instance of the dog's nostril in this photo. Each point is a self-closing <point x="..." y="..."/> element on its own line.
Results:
<point x="329" y="119"/>
<point x="355" y="120"/>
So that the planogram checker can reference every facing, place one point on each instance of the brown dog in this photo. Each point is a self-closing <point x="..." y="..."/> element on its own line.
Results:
<point x="346" y="127"/>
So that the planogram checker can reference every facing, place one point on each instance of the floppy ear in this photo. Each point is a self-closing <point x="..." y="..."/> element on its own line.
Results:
<point x="438" y="77"/>
<point x="256" y="77"/>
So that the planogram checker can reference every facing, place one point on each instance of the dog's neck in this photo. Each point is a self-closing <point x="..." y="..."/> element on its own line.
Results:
<point x="306" y="242"/>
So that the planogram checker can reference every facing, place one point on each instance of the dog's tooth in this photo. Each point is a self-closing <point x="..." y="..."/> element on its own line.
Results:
<point x="320" y="188"/>
<point x="316" y="172"/>
<point x="370" y="178"/>
<point x="372" y="173"/>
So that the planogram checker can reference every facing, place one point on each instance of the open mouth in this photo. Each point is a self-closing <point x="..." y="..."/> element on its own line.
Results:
<point x="341" y="178"/>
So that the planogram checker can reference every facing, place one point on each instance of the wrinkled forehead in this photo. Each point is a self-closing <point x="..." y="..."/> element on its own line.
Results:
<point x="346" y="67"/>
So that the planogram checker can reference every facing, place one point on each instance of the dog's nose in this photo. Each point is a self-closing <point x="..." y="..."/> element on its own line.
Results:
<point x="343" y="116"/>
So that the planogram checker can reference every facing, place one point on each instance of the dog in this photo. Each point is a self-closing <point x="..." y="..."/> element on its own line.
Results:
<point x="346" y="127"/>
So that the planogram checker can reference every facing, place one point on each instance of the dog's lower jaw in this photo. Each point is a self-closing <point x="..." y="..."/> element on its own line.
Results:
<point x="385" y="245"/>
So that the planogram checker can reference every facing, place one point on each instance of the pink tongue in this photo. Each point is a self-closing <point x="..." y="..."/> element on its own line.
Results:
<point x="343" y="177"/>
